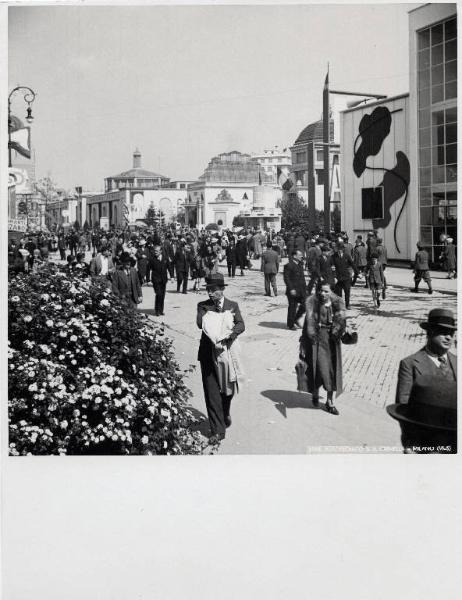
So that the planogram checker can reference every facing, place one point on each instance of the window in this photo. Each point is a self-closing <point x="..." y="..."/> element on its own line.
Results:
<point x="319" y="155"/>
<point x="372" y="203"/>
<point x="300" y="157"/>
<point x="320" y="176"/>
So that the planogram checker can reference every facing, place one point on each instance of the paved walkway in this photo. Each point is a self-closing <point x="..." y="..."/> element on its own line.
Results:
<point x="269" y="415"/>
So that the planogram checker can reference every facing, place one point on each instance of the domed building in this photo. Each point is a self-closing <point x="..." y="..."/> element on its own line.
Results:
<point x="234" y="184"/>
<point x="307" y="169"/>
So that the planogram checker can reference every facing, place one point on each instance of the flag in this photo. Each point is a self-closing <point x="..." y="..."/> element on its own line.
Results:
<point x="20" y="141"/>
<point x="283" y="180"/>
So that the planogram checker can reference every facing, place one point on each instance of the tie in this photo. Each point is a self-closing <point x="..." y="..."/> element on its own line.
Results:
<point x="444" y="367"/>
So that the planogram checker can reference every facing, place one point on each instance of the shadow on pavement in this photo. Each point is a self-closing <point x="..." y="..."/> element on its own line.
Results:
<point x="273" y="324"/>
<point x="147" y="311"/>
<point x="284" y="399"/>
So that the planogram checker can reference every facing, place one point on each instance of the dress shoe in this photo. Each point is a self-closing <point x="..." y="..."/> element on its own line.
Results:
<point x="293" y="328"/>
<point x="228" y="421"/>
<point x="331" y="409"/>
<point x="315" y="402"/>
<point x="216" y="439"/>
<point x="430" y="291"/>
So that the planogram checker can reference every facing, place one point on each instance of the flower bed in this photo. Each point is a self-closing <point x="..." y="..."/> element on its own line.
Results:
<point x="88" y="375"/>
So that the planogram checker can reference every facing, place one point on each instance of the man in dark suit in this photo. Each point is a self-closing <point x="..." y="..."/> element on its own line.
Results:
<point x="125" y="282"/>
<point x="159" y="277"/>
<point x="426" y="394"/>
<point x="294" y="278"/>
<point x="218" y="404"/>
<point x="422" y="269"/>
<point x="241" y="252"/>
<point x="343" y="265"/>
<point x="270" y="268"/>
<point x="182" y="261"/>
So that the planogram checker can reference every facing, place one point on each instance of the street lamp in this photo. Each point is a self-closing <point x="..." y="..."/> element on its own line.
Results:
<point x="29" y="97"/>
<point x="326" y="140"/>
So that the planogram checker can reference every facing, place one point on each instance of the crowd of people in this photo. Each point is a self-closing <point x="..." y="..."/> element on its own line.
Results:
<point x="319" y="275"/>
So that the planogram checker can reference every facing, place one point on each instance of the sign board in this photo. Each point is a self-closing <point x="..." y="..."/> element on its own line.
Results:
<point x="104" y="223"/>
<point x="17" y="224"/>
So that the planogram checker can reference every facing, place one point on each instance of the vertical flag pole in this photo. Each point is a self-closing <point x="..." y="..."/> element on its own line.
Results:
<point x="325" y="129"/>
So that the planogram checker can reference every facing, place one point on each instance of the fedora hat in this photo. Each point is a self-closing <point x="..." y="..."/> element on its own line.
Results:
<point x="440" y="317"/>
<point x="215" y="280"/>
<point x="437" y="412"/>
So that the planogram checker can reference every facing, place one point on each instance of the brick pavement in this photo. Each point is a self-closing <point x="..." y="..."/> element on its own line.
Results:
<point x="269" y="415"/>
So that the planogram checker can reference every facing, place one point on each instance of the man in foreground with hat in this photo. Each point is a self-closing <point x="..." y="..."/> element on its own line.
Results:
<point x="426" y="395"/>
<point x="217" y="397"/>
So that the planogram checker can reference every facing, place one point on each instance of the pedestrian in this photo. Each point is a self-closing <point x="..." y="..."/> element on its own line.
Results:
<point x="449" y="257"/>
<point x="426" y="393"/>
<point x="421" y="269"/>
<point x="125" y="282"/>
<point x="382" y="257"/>
<point x="326" y="270"/>
<point x="209" y="261"/>
<point x="159" y="278"/>
<point x="313" y="255"/>
<point x="142" y="261"/>
<point x="343" y="264"/>
<point x="376" y="279"/>
<point x="182" y="260"/>
<point x="320" y="344"/>
<point x="294" y="278"/>
<point x="102" y="264"/>
<point x="217" y="376"/>
<point x="241" y="253"/>
<point x="270" y="268"/>
<point x="231" y="258"/>
<point x="359" y="259"/>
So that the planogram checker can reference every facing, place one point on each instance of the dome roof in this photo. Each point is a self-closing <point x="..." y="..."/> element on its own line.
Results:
<point x="137" y="172"/>
<point x="313" y="132"/>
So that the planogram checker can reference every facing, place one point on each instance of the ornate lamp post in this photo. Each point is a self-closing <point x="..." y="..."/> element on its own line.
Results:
<point x="29" y="97"/>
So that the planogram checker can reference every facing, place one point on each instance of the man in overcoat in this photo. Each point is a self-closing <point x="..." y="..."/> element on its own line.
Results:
<point x="218" y="404"/>
<point x="125" y="282"/>
<point x="343" y="264"/>
<point x="270" y="268"/>
<point x="426" y="393"/>
<point x="159" y="277"/>
<point x="294" y="278"/>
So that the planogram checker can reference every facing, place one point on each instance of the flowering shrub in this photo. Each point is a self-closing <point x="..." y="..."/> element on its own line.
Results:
<point x="88" y="375"/>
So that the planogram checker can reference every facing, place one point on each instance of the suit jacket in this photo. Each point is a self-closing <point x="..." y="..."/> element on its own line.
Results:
<point x="125" y="286"/>
<point x="96" y="265"/>
<point x="205" y="346"/>
<point x="294" y="278"/>
<point x="325" y="269"/>
<point x="159" y="273"/>
<point x="416" y="379"/>
<point x="359" y="255"/>
<point x="270" y="261"/>
<point x="342" y="265"/>
<point x="182" y="261"/>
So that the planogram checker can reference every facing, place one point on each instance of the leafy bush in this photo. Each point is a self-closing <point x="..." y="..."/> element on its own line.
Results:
<point x="89" y="375"/>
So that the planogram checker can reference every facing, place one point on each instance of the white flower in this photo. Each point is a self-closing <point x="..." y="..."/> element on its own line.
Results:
<point x="64" y="424"/>
<point x="15" y="299"/>
<point x="63" y="334"/>
<point x="73" y="338"/>
<point x="73" y="361"/>
<point x="109" y="324"/>
<point x="104" y="302"/>
<point x="144" y="439"/>
<point x="33" y="387"/>
<point x="98" y="399"/>
<point x="45" y="297"/>
<point x="27" y="318"/>
<point x="76" y="412"/>
<point x="49" y="323"/>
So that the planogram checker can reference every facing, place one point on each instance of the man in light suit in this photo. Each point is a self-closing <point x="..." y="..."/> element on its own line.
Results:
<point x="270" y="268"/>
<point x="426" y="394"/>
<point x="218" y="404"/>
<point x="125" y="281"/>
<point x="102" y="264"/>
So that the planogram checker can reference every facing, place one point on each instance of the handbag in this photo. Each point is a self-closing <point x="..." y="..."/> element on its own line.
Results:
<point x="349" y="338"/>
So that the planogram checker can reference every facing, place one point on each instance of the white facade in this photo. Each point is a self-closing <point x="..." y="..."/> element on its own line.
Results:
<point x="274" y="162"/>
<point x="376" y="171"/>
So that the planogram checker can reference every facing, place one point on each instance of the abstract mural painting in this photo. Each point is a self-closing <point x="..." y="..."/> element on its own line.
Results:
<point x="373" y="129"/>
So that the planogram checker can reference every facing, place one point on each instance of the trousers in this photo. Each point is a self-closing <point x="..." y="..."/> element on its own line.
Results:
<point x="218" y="405"/>
<point x="159" y="290"/>
<point x="181" y="278"/>
<point x="295" y="310"/>
<point x="344" y="285"/>
<point x="270" y="280"/>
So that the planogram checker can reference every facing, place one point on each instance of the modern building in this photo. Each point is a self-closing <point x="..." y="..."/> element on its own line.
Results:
<point x="376" y="173"/>
<point x="275" y="162"/>
<point x="433" y="123"/>
<point x="307" y="168"/>
<point x="234" y="184"/>
<point x="129" y="195"/>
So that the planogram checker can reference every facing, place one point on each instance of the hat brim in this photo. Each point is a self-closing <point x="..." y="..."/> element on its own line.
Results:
<point x="399" y="412"/>
<point x="215" y="285"/>
<point x="425" y="325"/>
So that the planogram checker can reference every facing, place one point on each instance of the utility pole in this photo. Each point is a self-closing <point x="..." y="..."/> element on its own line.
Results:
<point x="326" y="140"/>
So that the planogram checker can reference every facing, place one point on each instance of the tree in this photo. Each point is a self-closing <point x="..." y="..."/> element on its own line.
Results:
<point x="150" y="217"/>
<point x="238" y="221"/>
<point x="48" y="190"/>
<point x="294" y="212"/>
<point x="76" y="225"/>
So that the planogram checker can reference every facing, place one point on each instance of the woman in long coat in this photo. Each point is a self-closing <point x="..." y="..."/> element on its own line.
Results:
<point x="320" y="344"/>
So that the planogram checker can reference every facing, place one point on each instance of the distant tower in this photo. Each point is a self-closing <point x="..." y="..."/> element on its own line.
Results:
<point x="136" y="159"/>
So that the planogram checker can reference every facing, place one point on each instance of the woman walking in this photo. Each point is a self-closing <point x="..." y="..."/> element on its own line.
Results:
<point x="320" y="344"/>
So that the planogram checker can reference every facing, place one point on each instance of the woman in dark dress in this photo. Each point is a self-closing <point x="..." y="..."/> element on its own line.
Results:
<point x="320" y="344"/>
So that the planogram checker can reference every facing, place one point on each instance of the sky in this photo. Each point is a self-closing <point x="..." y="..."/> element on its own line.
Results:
<point x="185" y="83"/>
